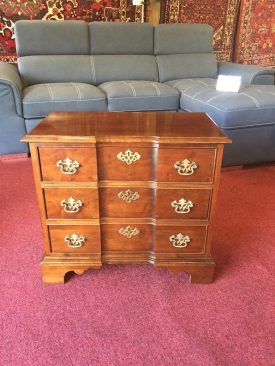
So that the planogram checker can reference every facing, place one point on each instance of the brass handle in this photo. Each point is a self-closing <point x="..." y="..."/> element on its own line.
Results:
<point x="128" y="196"/>
<point x="129" y="232"/>
<point x="71" y="205"/>
<point x="185" y="167"/>
<point x="128" y="156"/>
<point x="182" y="206"/>
<point x="75" y="240"/>
<point x="67" y="166"/>
<point x="180" y="240"/>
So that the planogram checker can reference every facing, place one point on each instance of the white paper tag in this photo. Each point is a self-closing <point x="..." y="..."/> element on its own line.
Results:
<point x="228" y="83"/>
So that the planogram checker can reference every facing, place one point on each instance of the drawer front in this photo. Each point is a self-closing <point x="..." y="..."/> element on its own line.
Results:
<point x="183" y="203"/>
<point x="126" y="202"/>
<point x="126" y="163"/>
<point x="186" y="165"/>
<point x="75" y="239"/>
<point x="68" y="164"/>
<point x="126" y="237"/>
<point x="71" y="203"/>
<point x="180" y="239"/>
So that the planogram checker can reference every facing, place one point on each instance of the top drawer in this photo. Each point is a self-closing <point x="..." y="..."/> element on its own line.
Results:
<point x="186" y="165"/>
<point x="68" y="163"/>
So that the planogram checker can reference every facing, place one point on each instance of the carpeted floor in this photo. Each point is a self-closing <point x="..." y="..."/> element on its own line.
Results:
<point x="137" y="315"/>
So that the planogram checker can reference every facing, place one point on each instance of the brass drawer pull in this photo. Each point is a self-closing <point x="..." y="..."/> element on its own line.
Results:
<point x="129" y="232"/>
<point x="71" y="205"/>
<point x="180" y="240"/>
<point x="128" y="196"/>
<point x="182" y="206"/>
<point x="128" y="157"/>
<point x="67" y="166"/>
<point x="75" y="240"/>
<point x="185" y="167"/>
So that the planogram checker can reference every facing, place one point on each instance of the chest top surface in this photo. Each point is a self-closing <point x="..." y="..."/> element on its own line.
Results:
<point x="91" y="127"/>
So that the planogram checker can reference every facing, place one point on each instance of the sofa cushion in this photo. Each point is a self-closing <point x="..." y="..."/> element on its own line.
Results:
<point x="41" y="99"/>
<point x="140" y="96"/>
<point x="56" y="69"/>
<point x="251" y="106"/>
<point x="110" y="38"/>
<point x="43" y="37"/>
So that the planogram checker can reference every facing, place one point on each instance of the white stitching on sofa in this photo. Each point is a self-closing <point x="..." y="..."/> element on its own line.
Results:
<point x="252" y="98"/>
<point x="50" y="91"/>
<point x="145" y="97"/>
<point x="156" y="87"/>
<point x="65" y="101"/>
<point x="224" y="110"/>
<point x="131" y="87"/>
<point x="263" y="92"/>
<point x="77" y="91"/>
<point x="93" y="68"/>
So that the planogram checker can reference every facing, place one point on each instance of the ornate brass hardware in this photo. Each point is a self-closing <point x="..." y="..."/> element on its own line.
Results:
<point x="180" y="240"/>
<point x="128" y="196"/>
<point x="71" y="205"/>
<point x="128" y="157"/>
<point x="129" y="232"/>
<point x="75" y="240"/>
<point x="185" y="167"/>
<point x="182" y="206"/>
<point x="67" y="166"/>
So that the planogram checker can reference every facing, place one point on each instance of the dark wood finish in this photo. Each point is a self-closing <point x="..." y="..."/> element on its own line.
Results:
<point x="95" y="139"/>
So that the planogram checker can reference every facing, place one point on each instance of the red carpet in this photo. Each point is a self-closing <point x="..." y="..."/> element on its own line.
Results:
<point x="138" y="315"/>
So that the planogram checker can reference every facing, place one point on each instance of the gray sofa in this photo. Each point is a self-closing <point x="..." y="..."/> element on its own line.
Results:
<point x="75" y="66"/>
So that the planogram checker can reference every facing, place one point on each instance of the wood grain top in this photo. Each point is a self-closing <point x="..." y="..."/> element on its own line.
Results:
<point x="111" y="127"/>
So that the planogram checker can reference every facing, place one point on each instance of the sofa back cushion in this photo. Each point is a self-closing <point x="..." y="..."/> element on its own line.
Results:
<point x="55" y="69"/>
<point x="108" y="38"/>
<point x="184" y="51"/>
<point x="48" y="37"/>
<point x="53" y="51"/>
<point x="122" y="51"/>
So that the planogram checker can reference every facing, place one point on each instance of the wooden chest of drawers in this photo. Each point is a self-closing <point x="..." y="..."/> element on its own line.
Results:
<point x="126" y="188"/>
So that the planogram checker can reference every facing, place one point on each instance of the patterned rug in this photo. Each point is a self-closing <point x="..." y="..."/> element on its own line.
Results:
<point x="220" y="14"/>
<point x="256" y="33"/>
<point x="88" y="10"/>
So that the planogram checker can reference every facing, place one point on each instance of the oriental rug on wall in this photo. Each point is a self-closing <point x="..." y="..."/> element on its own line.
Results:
<point x="88" y="10"/>
<point x="256" y="33"/>
<point x="220" y="14"/>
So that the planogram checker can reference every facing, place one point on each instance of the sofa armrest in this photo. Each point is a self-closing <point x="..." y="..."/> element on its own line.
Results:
<point x="250" y="74"/>
<point x="9" y="76"/>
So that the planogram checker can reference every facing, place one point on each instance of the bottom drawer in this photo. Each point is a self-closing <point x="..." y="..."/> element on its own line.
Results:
<point x="75" y="239"/>
<point x="180" y="239"/>
<point x="126" y="237"/>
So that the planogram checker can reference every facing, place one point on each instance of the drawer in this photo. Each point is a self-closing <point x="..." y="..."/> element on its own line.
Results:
<point x="183" y="203"/>
<point x="126" y="202"/>
<point x="180" y="239"/>
<point x="68" y="163"/>
<point x="126" y="237"/>
<point x="71" y="203"/>
<point x="186" y="165"/>
<point x="126" y="163"/>
<point x="75" y="239"/>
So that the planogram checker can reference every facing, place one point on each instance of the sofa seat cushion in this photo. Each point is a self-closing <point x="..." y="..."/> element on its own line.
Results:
<point x="41" y="99"/>
<point x="253" y="105"/>
<point x="140" y="96"/>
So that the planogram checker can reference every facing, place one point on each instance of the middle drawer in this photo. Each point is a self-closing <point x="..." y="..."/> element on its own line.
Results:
<point x="71" y="203"/>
